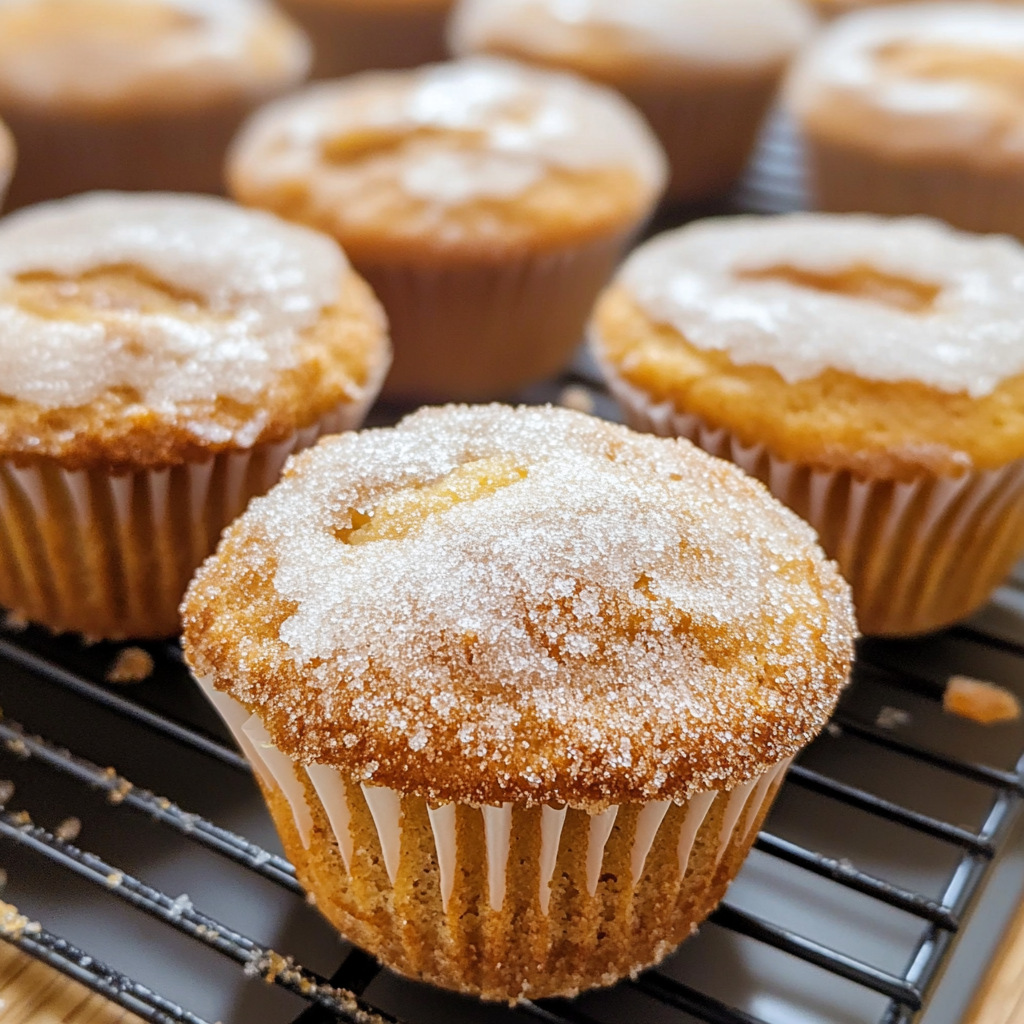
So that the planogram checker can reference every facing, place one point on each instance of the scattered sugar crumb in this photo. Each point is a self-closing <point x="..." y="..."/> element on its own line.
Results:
<point x="132" y="665"/>
<point x="892" y="718"/>
<point x="6" y="791"/>
<point x="979" y="701"/>
<point x="575" y="396"/>
<point x="119" y="792"/>
<point x="114" y="879"/>
<point x="68" y="830"/>
<point x="14" y="924"/>
<point x="834" y="730"/>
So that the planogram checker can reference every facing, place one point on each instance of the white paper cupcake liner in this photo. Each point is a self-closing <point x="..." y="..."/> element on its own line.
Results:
<point x="919" y="554"/>
<point x="743" y="807"/>
<point x="848" y="178"/>
<point x="474" y="331"/>
<point x="109" y="556"/>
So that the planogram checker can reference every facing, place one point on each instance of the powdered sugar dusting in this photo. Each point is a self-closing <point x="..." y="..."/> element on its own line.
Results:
<point x="921" y="78"/>
<point x="551" y="608"/>
<point x="262" y="281"/>
<point x="704" y="32"/>
<point x="506" y="125"/>
<point x="708" y="281"/>
<point x="154" y="49"/>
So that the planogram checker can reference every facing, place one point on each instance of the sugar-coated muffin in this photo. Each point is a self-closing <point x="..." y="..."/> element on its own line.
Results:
<point x="870" y="371"/>
<point x="917" y="108"/>
<point x="702" y="72"/>
<point x="519" y="686"/>
<point x="136" y="94"/>
<point x="833" y="8"/>
<point x="363" y="35"/>
<point x="486" y="203"/>
<point x="6" y="160"/>
<point x="160" y="358"/>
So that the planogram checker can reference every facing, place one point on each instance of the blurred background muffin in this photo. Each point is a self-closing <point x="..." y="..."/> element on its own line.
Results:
<point x="136" y="94"/>
<point x="869" y="371"/>
<point x="703" y="72"/>
<point x="160" y="357"/>
<point x="519" y="686"/>
<point x="359" y="35"/>
<point x="7" y="160"/>
<point x="918" y="108"/>
<point x="834" y="8"/>
<point x="486" y="202"/>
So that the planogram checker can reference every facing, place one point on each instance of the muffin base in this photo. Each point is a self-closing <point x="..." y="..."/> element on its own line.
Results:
<point x="847" y="179"/>
<point x="62" y="155"/>
<point x="920" y="554"/>
<point x="366" y="36"/>
<point x="418" y="887"/>
<point x="708" y="129"/>
<point x="471" y="332"/>
<point x="109" y="555"/>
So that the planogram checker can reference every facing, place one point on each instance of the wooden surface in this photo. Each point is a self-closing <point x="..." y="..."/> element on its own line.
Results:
<point x="32" y="993"/>
<point x="1000" y="998"/>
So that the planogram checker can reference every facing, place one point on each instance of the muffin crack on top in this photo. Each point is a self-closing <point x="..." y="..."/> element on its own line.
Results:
<point x="486" y="605"/>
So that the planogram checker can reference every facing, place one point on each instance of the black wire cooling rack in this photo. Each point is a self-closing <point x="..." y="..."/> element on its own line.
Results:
<point x="906" y="674"/>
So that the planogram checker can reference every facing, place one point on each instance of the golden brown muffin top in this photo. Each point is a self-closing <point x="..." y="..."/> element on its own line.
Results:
<point x="919" y="81"/>
<point x="472" y="157"/>
<point x="119" y="57"/>
<point x="889" y="347"/>
<point x="146" y="330"/>
<point x="488" y="604"/>
<point x="612" y="40"/>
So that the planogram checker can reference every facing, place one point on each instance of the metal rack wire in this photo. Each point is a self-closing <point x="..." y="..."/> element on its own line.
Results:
<point x="79" y="671"/>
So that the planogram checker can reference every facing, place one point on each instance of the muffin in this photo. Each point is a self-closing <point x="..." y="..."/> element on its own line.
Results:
<point x="362" y="35"/>
<point x="487" y="203"/>
<point x="869" y="371"/>
<point x="702" y="81"/>
<point x="917" y="108"/>
<point x="537" y="765"/>
<point x="136" y="94"/>
<point x="832" y="8"/>
<point x="160" y="358"/>
<point x="6" y="160"/>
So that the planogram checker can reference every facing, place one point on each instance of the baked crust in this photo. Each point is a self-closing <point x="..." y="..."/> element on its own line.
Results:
<point x="347" y="175"/>
<point x="501" y="613"/>
<point x="111" y="59"/>
<point x="836" y="420"/>
<point x="343" y="353"/>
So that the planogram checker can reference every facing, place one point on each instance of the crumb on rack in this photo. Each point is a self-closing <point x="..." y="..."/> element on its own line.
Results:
<point x="68" y="830"/>
<point x="979" y="701"/>
<point x="889" y="718"/>
<point x="575" y="396"/>
<point x="14" y="924"/>
<point x="132" y="665"/>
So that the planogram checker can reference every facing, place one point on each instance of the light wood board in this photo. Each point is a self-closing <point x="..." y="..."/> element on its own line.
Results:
<point x="33" y="993"/>
<point x="1000" y="999"/>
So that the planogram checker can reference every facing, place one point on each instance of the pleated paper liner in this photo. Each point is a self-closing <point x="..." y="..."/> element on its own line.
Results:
<point x="503" y="902"/>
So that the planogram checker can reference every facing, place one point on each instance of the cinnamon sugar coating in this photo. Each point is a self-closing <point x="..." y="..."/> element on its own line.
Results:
<point x="487" y="604"/>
